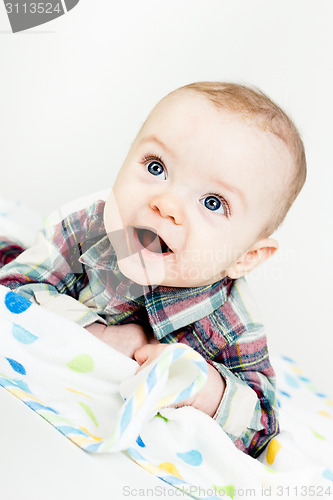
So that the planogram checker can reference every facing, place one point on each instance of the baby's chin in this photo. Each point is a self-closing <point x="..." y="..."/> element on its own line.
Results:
<point x="149" y="276"/>
<point x="150" y="272"/>
<point x="133" y="268"/>
<point x="141" y="277"/>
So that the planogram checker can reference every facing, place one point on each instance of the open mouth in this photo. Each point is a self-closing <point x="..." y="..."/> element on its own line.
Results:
<point x="152" y="241"/>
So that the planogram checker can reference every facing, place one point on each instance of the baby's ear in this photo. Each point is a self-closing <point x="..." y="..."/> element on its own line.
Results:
<point x="255" y="255"/>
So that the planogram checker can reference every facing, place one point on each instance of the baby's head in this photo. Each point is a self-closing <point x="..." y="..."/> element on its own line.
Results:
<point x="213" y="172"/>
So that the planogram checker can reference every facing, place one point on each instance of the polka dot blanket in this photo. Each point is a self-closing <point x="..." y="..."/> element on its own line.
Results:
<point x="93" y="396"/>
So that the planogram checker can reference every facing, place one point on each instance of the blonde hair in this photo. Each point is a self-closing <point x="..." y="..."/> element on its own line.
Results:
<point x="255" y="104"/>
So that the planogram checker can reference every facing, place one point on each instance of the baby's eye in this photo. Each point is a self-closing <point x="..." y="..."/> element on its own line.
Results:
<point x="156" y="168"/>
<point x="215" y="204"/>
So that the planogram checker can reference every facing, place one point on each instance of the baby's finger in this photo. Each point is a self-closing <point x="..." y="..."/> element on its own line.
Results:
<point x="142" y="353"/>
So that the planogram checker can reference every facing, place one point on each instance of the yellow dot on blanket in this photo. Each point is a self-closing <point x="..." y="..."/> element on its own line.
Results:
<point x="78" y="392"/>
<point x="165" y="401"/>
<point x="169" y="467"/>
<point x="192" y="354"/>
<point x="97" y="438"/>
<point x="140" y="395"/>
<point x="325" y="414"/>
<point x="81" y="441"/>
<point x="329" y="402"/>
<point x="150" y="468"/>
<point x="272" y="450"/>
<point x="297" y="370"/>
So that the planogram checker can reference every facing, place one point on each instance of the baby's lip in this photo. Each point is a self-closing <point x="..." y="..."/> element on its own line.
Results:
<point x="163" y="241"/>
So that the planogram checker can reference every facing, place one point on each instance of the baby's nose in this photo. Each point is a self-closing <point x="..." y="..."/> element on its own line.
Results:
<point x="168" y="206"/>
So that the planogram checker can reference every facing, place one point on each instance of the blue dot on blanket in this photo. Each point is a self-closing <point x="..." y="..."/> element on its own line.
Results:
<point x="177" y="353"/>
<point x="151" y="378"/>
<point x="284" y="393"/>
<point x="15" y="303"/>
<point x="321" y="395"/>
<point x="291" y="381"/>
<point x="304" y="379"/>
<point x="34" y="405"/>
<point x="23" y="335"/>
<point x="328" y="474"/>
<point x="17" y="367"/>
<point x="192" y="457"/>
<point x="185" y="393"/>
<point x="140" y="442"/>
<point x="127" y="415"/>
<point x="68" y="429"/>
<point x="93" y="447"/>
<point x="286" y="358"/>
<point x="175" y="481"/>
<point x="203" y="366"/>
<point x="136" y="455"/>
<point x="22" y="385"/>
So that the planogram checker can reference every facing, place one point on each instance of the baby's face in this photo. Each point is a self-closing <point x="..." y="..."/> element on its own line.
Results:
<point x="204" y="180"/>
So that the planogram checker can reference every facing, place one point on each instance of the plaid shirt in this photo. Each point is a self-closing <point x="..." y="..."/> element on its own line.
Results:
<point x="72" y="269"/>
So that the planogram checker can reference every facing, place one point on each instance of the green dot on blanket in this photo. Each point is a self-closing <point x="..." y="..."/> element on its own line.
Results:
<point x="82" y="363"/>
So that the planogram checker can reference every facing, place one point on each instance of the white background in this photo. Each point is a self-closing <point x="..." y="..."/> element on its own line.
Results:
<point x="74" y="92"/>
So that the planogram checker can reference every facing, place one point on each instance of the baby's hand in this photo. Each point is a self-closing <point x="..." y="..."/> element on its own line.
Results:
<point x="147" y="353"/>
<point x="207" y="399"/>
<point x="124" y="338"/>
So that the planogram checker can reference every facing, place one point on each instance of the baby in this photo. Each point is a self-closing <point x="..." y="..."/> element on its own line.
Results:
<point x="209" y="177"/>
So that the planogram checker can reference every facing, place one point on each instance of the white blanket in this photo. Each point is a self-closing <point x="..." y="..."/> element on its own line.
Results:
<point x="79" y="385"/>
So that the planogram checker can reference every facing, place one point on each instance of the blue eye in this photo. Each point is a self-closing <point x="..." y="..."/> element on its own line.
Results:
<point x="155" y="168"/>
<point x="215" y="204"/>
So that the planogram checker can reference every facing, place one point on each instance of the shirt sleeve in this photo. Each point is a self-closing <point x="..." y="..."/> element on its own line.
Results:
<point x="49" y="273"/>
<point x="248" y="409"/>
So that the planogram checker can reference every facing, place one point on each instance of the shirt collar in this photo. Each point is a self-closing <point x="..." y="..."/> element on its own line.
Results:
<point x="168" y="308"/>
<point x="171" y="308"/>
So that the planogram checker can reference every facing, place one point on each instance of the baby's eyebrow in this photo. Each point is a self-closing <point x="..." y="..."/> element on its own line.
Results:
<point x="154" y="138"/>
<point x="232" y="189"/>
